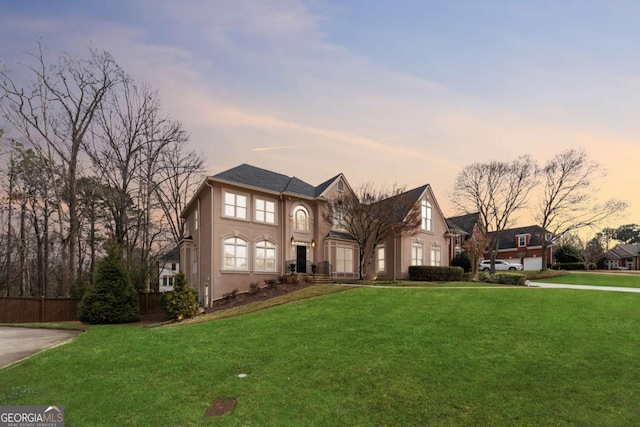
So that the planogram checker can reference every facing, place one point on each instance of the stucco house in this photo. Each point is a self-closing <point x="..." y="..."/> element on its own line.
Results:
<point x="624" y="256"/>
<point x="248" y="224"/>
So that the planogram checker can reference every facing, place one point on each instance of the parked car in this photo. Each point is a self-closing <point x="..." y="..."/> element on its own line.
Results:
<point x="501" y="264"/>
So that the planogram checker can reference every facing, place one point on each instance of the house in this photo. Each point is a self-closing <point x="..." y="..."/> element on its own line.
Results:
<point x="168" y="267"/>
<point x="624" y="256"/>
<point x="248" y="224"/>
<point x="462" y="228"/>
<point x="524" y="245"/>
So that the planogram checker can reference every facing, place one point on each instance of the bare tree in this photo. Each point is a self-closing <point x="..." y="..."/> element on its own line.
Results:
<point x="178" y="176"/>
<point x="55" y="112"/>
<point x="475" y="247"/>
<point x="372" y="214"/>
<point x="497" y="190"/>
<point x="567" y="202"/>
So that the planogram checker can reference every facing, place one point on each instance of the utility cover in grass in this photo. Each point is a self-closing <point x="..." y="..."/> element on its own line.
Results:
<point x="221" y="407"/>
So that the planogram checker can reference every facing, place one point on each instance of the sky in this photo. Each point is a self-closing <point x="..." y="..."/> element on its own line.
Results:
<point x="386" y="92"/>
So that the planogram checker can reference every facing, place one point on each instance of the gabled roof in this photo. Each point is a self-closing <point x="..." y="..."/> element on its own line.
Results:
<point x="621" y="251"/>
<point x="508" y="237"/>
<point x="172" y="255"/>
<point x="272" y="181"/>
<point x="464" y="223"/>
<point x="401" y="210"/>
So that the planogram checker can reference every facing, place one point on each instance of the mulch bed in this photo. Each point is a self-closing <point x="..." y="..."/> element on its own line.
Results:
<point x="262" y="294"/>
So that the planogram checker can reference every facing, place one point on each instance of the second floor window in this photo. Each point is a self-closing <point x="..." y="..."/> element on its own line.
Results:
<point x="426" y="215"/>
<point x="265" y="211"/>
<point x="522" y="241"/>
<point x="235" y="205"/>
<point x="301" y="219"/>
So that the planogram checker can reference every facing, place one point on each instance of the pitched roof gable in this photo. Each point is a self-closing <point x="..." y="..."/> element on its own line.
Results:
<point x="465" y="223"/>
<point x="508" y="237"/>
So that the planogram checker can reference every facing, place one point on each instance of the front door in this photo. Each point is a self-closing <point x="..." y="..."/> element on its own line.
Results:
<point x="301" y="259"/>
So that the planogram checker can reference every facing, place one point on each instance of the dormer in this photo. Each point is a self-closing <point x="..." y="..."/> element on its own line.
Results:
<point x="522" y="240"/>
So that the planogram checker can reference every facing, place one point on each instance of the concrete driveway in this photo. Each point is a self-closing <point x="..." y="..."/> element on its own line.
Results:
<point x="18" y="343"/>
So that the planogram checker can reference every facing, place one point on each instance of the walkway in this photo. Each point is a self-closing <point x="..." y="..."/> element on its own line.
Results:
<point x="582" y="287"/>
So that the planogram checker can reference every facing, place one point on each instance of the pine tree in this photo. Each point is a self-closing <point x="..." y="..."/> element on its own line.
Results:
<point x="180" y="303"/>
<point x="112" y="298"/>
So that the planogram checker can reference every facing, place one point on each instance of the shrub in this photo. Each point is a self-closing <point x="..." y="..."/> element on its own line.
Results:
<point x="427" y="273"/>
<point x="112" y="298"/>
<point x="181" y="302"/>
<point x="230" y="295"/>
<point x="462" y="260"/>
<point x="272" y="283"/>
<point x="291" y="279"/>
<point x="568" y="266"/>
<point x="504" y="278"/>
<point x="254" y="288"/>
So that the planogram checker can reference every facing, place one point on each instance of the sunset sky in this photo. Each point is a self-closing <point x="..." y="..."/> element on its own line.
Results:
<point x="405" y="92"/>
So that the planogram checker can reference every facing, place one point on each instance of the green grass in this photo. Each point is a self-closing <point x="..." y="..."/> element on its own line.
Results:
<point x="596" y="279"/>
<point x="369" y="356"/>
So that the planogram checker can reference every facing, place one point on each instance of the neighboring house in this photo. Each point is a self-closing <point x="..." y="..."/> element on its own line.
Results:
<point x="462" y="228"/>
<point x="524" y="245"/>
<point x="168" y="267"/>
<point x="624" y="256"/>
<point x="247" y="224"/>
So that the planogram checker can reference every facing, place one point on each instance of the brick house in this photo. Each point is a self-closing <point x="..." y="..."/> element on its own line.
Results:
<point x="524" y="245"/>
<point x="248" y="224"/>
<point x="624" y="256"/>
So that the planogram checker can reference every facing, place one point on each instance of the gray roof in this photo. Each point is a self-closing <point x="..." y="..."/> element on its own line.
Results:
<point x="622" y="251"/>
<point x="172" y="255"/>
<point x="464" y="223"/>
<point x="272" y="181"/>
<point x="508" y="237"/>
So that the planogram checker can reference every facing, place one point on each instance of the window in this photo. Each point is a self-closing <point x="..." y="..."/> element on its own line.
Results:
<point x="344" y="259"/>
<point x="194" y="254"/>
<point x="265" y="256"/>
<point x="458" y="239"/>
<point x="171" y="281"/>
<point x="417" y="254"/>
<point x="522" y="241"/>
<point x="165" y="280"/>
<point x="265" y="211"/>
<point x="340" y="186"/>
<point x="380" y="261"/>
<point x="426" y="215"/>
<point x="436" y="255"/>
<point x="195" y="224"/>
<point x="301" y="219"/>
<point x="235" y="205"/>
<point x="235" y="254"/>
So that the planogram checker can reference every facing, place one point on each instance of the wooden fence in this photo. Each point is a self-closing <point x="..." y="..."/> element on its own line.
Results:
<point x="35" y="310"/>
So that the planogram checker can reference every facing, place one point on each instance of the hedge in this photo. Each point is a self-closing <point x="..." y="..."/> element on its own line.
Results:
<point x="572" y="266"/>
<point x="426" y="273"/>
<point x="518" y="279"/>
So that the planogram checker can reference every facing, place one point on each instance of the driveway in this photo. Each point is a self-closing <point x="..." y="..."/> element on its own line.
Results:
<point x="19" y="343"/>
<point x="582" y="287"/>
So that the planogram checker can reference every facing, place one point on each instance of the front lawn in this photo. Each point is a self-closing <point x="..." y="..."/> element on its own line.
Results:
<point x="596" y="279"/>
<point x="369" y="356"/>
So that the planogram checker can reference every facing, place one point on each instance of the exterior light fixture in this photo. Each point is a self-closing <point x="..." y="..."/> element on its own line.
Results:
<point x="313" y="243"/>
<point x="293" y="241"/>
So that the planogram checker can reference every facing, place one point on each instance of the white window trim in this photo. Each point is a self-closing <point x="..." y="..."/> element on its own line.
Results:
<point x="417" y="245"/>
<point x="519" y="237"/>
<point x="426" y="211"/>
<point x="383" y="259"/>
<point x="235" y="194"/>
<point x="341" y="263"/>
<point x="297" y="209"/>
<point x="275" y="256"/>
<point x="265" y="211"/>
<point x="436" y="249"/>
<point x="235" y="257"/>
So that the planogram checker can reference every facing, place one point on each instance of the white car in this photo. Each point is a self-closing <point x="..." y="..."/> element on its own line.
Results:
<point x="500" y="265"/>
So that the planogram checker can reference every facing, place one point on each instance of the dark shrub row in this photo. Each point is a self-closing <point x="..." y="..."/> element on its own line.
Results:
<point x="504" y="278"/>
<point x="573" y="266"/>
<point x="426" y="273"/>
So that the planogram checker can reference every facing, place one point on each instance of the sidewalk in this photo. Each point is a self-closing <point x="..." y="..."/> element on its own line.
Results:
<point x="582" y="287"/>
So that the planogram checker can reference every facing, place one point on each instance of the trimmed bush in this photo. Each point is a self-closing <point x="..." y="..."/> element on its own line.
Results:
<point x="503" y="278"/>
<point x="568" y="266"/>
<point x="427" y="273"/>
<point x="462" y="260"/>
<point x="112" y="298"/>
<point x="180" y="303"/>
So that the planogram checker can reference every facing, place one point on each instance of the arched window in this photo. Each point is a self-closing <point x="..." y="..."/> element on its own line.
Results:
<point x="301" y="219"/>
<point x="235" y="254"/>
<point x="265" y="256"/>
